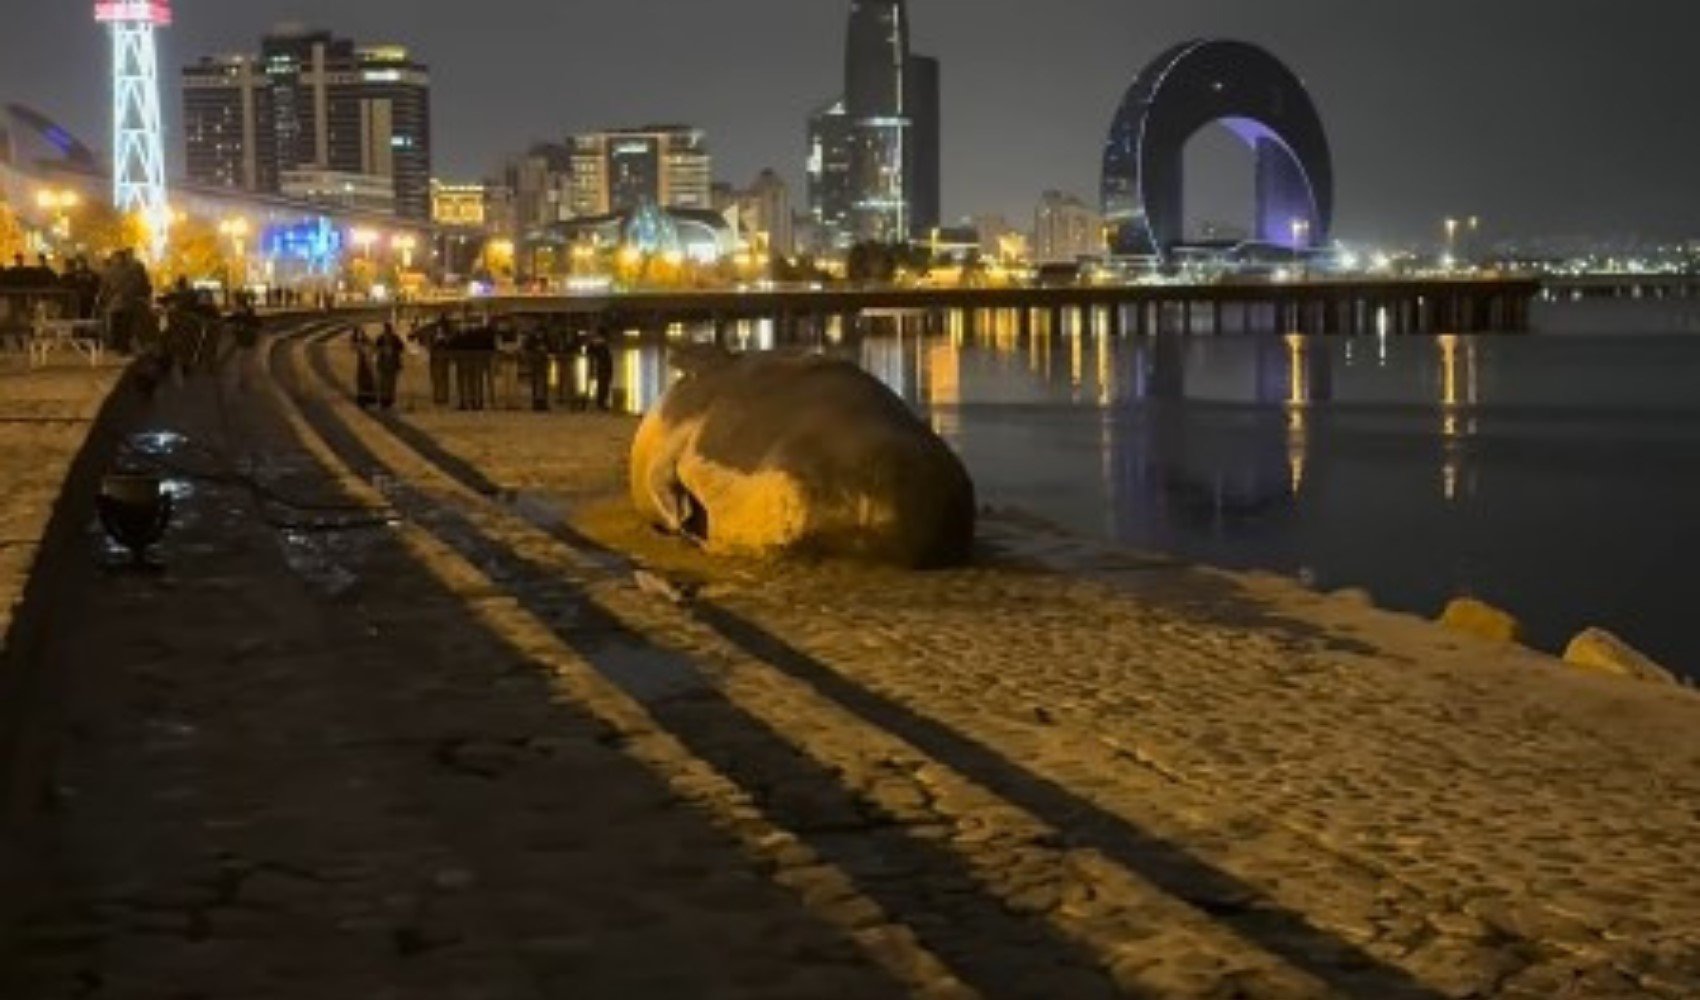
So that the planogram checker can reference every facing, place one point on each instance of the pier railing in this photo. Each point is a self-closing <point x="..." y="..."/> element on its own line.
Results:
<point x="1474" y="305"/>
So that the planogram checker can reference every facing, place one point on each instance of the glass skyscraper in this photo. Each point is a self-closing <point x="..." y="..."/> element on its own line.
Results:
<point x="874" y="156"/>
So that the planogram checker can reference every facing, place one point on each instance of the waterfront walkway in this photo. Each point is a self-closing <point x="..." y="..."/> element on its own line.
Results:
<point x="515" y="746"/>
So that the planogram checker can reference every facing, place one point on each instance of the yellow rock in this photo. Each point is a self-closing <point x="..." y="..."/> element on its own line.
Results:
<point x="1482" y="620"/>
<point x="1597" y="651"/>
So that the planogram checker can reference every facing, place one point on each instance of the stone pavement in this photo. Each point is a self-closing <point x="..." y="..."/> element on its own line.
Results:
<point x="301" y="768"/>
<point x="45" y="416"/>
<point x="1357" y="796"/>
<point x="515" y="745"/>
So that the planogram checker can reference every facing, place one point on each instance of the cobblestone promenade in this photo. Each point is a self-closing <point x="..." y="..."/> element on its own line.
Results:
<point x="418" y="710"/>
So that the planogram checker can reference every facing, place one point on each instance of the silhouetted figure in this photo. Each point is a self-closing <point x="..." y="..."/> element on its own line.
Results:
<point x="601" y="354"/>
<point x="439" y="343"/>
<point x="474" y="356"/>
<point x="365" y="374"/>
<point x="537" y="362"/>
<point x="126" y="302"/>
<point x="242" y="327"/>
<point x="84" y="286"/>
<point x="389" y="353"/>
<point x="191" y="328"/>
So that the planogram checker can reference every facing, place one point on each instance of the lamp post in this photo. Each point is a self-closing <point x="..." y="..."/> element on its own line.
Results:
<point x="404" y="243"/>
<point x="236" y="231"/>
<point x="59" y="204"/>
<point x="363" y="240"/>
<point x="1451" y="242"/>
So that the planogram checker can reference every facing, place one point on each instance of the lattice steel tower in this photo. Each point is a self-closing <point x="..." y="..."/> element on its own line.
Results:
<point x="138" y="140"/>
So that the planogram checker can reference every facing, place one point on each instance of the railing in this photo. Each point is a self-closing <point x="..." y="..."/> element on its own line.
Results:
<point x="22" y="311"/>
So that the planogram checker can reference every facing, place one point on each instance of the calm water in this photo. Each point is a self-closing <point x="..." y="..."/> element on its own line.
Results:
<point x="1556" y="474"/>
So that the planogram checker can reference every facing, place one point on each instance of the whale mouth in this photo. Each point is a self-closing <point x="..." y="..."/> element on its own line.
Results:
<point x="693" y="520"/>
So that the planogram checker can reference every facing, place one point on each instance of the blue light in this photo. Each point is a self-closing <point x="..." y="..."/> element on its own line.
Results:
<point x="314" y="242"/>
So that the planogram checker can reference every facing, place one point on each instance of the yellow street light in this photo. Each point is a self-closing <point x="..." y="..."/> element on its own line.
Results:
<point x="236" y="229"/>
<point x="60" y="203"/>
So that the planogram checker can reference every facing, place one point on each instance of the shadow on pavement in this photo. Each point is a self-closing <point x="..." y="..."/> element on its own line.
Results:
<point x="918" y="882"/>
<point x="1237" y="906"/>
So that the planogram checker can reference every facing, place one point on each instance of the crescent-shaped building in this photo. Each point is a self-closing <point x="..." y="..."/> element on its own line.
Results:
<point x="1255" y="96"/>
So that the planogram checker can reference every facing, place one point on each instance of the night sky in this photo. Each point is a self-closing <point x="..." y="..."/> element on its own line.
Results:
<point x="1546" y="117"/>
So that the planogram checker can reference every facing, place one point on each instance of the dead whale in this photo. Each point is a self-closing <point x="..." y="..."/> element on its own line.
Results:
<point x="767" y="454"/>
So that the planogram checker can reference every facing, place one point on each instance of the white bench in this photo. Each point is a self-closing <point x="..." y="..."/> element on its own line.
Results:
<point x="85" y="336"/>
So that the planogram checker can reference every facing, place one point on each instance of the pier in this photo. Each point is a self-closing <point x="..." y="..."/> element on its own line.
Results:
<point x="1317" y="307"/>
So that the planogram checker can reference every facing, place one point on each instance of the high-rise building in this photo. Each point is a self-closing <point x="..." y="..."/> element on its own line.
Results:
<point x="311" y="102"/>
<point x="620" y="169"/>
<point x="541" y="180"/>
<point x="830" y="199"/>
<point x="924" y="161"/>
<point x="461" y="213"/>
<point x="876" y="63"/>
<point x="1066" y="229"/>
<point x="763" y="214"/>
<point x="224" y="100"/>
<point x="883" y="137"/>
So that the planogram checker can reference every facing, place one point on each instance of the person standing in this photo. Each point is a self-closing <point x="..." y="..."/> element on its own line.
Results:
<point x="365" y="377"/>
<point x="602" y="369"/>
<point x="438" y="343"/>
<point x="244" y="327"/>
<point x="390" y="351"/>
<point x="538" y="363"/>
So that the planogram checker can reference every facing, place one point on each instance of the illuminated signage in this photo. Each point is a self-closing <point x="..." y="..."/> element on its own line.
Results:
<point x="133" y="12"/>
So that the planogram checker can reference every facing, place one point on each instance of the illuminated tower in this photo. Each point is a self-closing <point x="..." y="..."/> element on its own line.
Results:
<point x="138" y="142"/>
<point x="874" y="154"/>
<point x="876" y="63"/>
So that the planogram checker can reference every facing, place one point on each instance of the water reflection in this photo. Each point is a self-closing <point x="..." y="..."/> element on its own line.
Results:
<point x="1419" y="467"/>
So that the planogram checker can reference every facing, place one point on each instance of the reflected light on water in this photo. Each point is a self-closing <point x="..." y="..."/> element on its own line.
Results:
<point x="1459" y="397"/>
<point x="1076" y="356"/>
<point x="1298" y="421"/>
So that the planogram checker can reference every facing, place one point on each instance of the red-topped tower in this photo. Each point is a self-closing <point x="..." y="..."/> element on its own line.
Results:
<point x="138" y="140"/>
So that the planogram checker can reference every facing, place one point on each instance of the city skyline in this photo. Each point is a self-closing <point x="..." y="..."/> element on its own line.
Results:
<point x="1450" y="110"/>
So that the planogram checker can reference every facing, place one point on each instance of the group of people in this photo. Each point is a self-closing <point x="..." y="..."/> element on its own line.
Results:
<point x="184" y="328"/>
<point x="463" y="357"/>
<point x="378" y="367"/>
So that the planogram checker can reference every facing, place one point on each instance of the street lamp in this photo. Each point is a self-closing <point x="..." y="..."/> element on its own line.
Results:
<point x="236" y="230"/>
<point x="1452" y="238"/>
<point x="59" y="203"/>
<point x="404" y="243"/>
<point x="363" y="240"/>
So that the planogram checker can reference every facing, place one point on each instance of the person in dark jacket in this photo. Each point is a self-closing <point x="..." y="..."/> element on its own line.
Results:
<point x="438" y="340"/>
<point x="601" y="352"/>
<point x="474" y="354"/>
<point x="365" y="374"/>
<point x="538" y="364"/>
<point x="244" y="327"/>
<point x="389" y="352"/>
